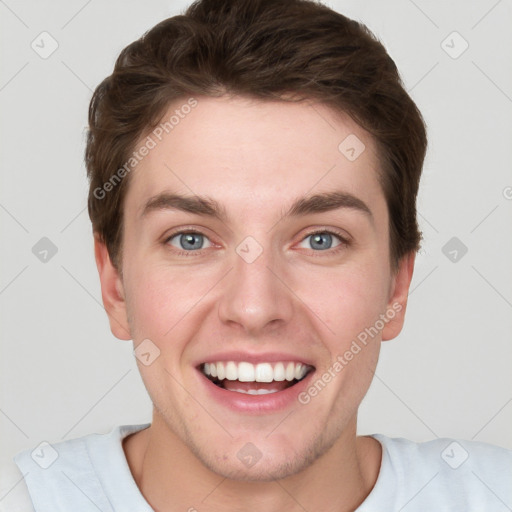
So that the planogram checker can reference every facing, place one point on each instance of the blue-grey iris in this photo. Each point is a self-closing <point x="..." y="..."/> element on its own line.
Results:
<point x="317" y="239"/>
<point x="189" y="237"/>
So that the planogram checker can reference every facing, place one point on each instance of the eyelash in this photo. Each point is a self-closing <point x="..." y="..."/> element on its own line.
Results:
<point x="344" y="242"/>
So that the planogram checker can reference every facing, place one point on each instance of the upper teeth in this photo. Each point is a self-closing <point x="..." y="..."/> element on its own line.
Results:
<point x="261" y="372"/>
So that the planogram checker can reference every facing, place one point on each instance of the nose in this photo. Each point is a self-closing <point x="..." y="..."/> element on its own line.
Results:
<point x="256" y="296"/>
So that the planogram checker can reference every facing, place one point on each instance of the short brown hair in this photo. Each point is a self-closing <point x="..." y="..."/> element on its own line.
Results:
<point x="267" y="49"/>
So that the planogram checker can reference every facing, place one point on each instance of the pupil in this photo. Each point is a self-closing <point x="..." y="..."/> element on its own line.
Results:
<point x="317" y="239"/>
<point x="189" y="239"/>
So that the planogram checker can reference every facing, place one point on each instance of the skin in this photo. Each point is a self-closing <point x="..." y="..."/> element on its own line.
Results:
<point x="294" y="298"/>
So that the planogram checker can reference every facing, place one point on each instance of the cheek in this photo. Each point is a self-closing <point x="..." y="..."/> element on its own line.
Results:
<point x="346" y="300"/>
<point x="349" y="303"/>
<point x="159" y="299"/>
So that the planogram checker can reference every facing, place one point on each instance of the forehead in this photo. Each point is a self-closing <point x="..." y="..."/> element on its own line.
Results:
<point x="243" y="151"/>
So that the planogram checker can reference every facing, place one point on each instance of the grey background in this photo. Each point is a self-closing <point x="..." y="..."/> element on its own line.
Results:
<point x="64" y="375"/>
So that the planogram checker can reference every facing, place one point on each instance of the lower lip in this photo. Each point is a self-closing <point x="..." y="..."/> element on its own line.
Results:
<point x="242" y="402"/>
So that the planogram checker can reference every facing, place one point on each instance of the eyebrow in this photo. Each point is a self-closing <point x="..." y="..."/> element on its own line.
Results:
<point x="209" y="207"/>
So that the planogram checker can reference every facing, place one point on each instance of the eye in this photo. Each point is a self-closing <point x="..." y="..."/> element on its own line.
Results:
<point x="189" y="241"/>
<point x="323" y="240"/>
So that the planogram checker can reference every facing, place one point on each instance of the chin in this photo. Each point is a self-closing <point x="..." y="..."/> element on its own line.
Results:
<point x="264" y="459"/>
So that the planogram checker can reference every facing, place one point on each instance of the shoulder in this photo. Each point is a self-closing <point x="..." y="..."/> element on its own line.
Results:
<point x="452" y="471"/>
<point x="66" y="473"/>
<point x="454" y="453"/>
<point x="14" y="495"/>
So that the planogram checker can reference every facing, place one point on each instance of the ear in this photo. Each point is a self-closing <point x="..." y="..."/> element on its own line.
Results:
<point x="399" y="292"/>
<point x="112" y="291"/>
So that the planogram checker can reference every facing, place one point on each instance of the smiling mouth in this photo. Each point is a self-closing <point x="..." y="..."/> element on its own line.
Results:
<point x="255" y="379"/>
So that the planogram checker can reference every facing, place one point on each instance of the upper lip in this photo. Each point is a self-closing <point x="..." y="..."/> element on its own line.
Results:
<point x="254" y="358"/>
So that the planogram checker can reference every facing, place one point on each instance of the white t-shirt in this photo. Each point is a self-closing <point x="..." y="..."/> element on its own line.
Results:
<point x="91" y="473"/>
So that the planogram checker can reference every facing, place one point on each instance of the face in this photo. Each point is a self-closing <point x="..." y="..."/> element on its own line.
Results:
<point x="281" y="299"/>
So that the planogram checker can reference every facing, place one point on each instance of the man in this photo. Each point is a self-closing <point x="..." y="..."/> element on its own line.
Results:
<point x="254" y="167"/>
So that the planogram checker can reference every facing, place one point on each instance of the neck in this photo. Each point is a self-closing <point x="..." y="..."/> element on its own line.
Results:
<point x="172" y="478"/>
